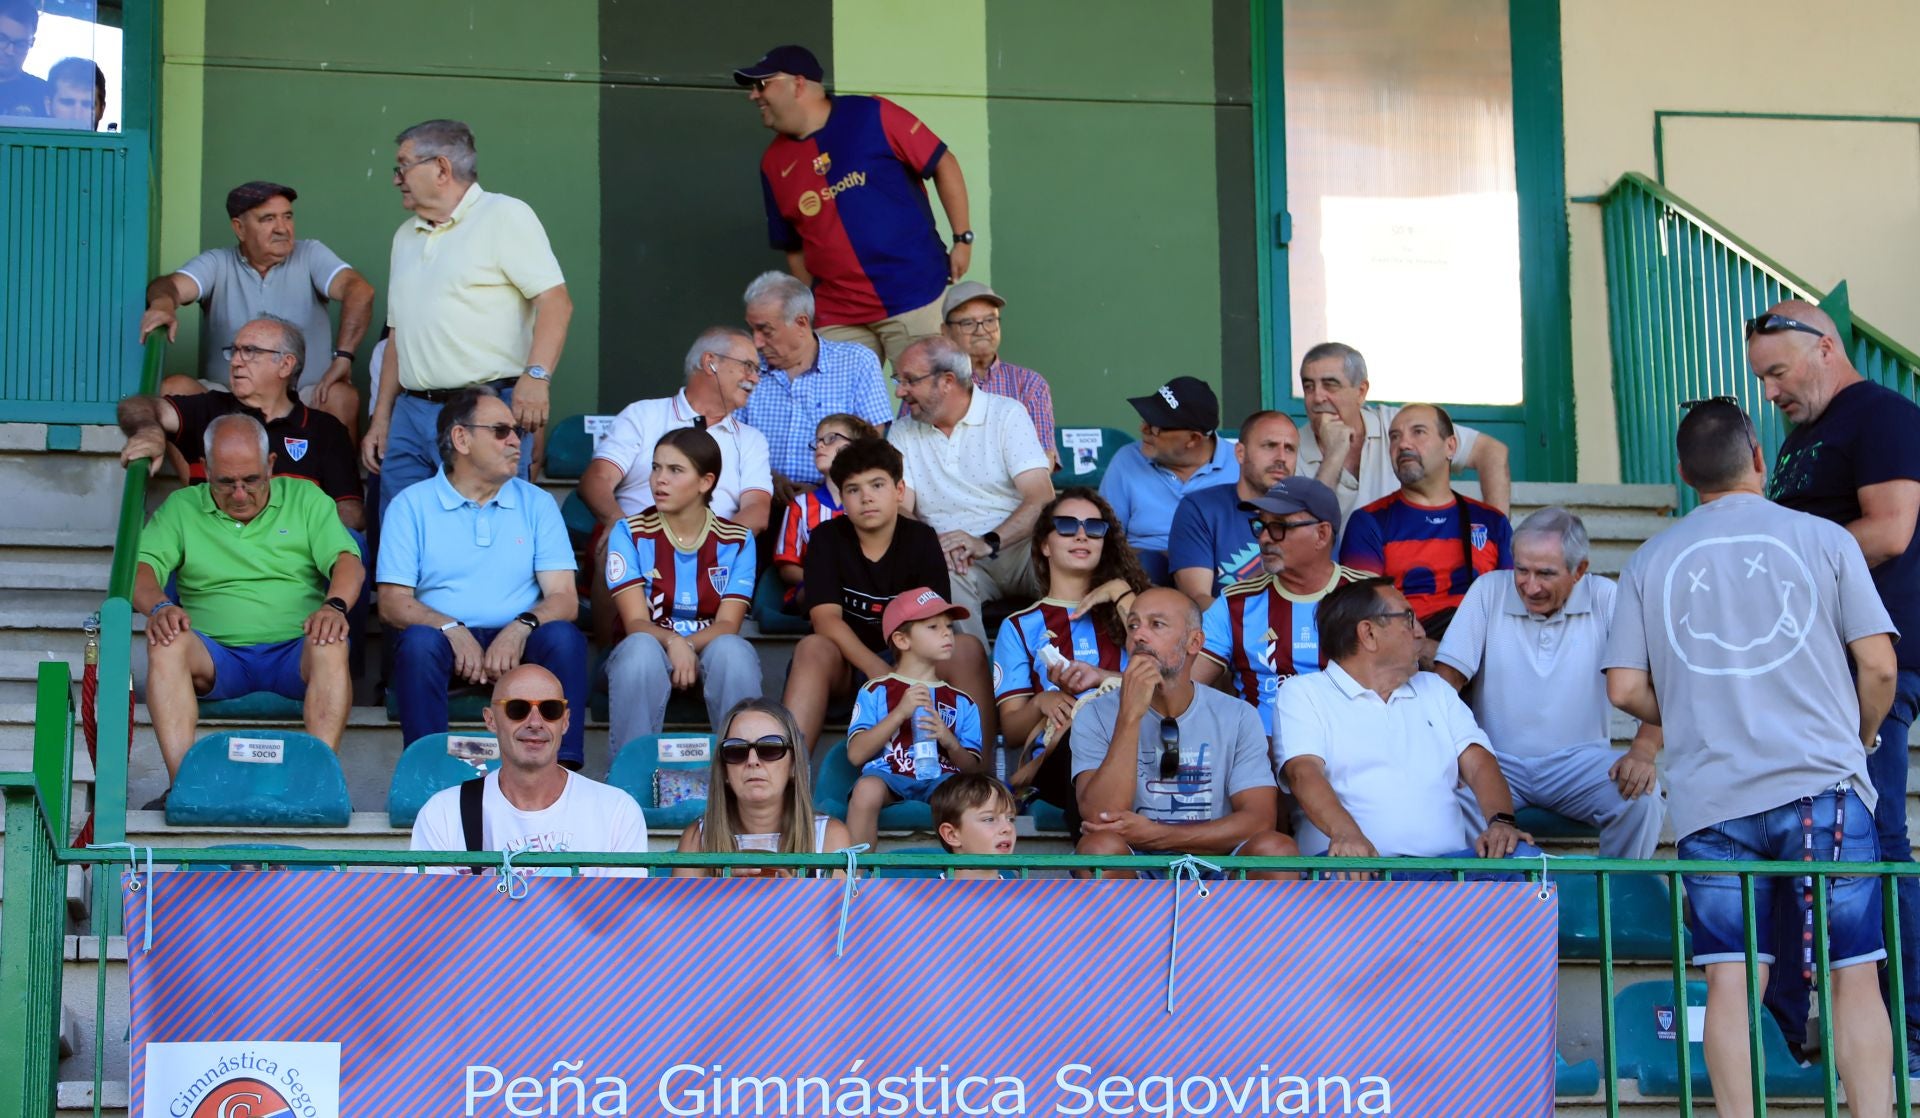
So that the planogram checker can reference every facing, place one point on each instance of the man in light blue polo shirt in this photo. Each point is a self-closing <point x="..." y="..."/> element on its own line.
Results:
<point x="1177" y="454"/>
<point x="476" y="574"/>
<point x="803" y="377"/>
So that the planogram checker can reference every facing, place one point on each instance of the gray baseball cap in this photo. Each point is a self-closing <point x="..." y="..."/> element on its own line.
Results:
<point x="1299" y="494"/>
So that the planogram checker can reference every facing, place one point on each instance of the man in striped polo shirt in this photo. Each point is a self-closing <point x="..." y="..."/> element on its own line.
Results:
<point x="1254" y="620"/>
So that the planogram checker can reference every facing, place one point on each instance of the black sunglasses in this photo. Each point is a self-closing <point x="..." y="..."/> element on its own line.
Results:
<point x="500" y="430"/>
<point x="1778" y="323"/>
<point x="1709" y="401"/>
<point x="1096" y="527"/>
<point x="516" y="710"/>
<point x="736" y="751"/>
<point x="1276" y="528"/>
<point x="1169" y="748"/>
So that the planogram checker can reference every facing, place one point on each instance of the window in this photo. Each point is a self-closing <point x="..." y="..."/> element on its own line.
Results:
<point x="60" y="65"/>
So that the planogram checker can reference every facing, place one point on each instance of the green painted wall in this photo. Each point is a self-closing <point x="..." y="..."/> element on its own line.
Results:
<point x="1107" y="145"/>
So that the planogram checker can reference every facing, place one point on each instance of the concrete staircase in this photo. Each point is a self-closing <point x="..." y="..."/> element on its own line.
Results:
<point x="54" y="560"/>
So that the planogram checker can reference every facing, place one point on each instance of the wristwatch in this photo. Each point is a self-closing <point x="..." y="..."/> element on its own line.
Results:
<point x="528" y="619"/>
<point x="963" y="238"/>
<point x="992" y="540"/>
<point x="1505" y="817"/>
<point x="453" y="625"/>
<point x="336" y="603"/>
<point x="538" y="372"/>
<point x="347" y="354"/>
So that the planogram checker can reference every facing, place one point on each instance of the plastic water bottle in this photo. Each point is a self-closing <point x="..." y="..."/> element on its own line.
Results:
<point x="926" y="751"/>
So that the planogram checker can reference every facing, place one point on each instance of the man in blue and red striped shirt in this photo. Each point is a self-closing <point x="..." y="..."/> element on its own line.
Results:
<point x="846" y="200"/>
<point x="1431" y="541"/>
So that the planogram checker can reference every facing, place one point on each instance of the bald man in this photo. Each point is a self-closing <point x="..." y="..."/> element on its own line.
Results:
<point x="1853" y="457"/>
<point x="531" y="803"/>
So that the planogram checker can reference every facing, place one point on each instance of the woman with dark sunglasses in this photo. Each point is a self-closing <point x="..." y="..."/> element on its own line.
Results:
<point x="759" y="796"/>
<point x="1065" y="646"/>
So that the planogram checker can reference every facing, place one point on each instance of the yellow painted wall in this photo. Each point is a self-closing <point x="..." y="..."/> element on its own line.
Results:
<point x="1625" y="59"/>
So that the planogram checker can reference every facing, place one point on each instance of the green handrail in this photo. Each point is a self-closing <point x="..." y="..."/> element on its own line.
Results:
<point x="1680" y="287"/>
<point x="133" y="491"/>
<point x="31" y="937"/>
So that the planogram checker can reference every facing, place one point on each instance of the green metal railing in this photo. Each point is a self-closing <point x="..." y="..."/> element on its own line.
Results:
<point x="1680" y="288"/>
<point x="30" y="959"/>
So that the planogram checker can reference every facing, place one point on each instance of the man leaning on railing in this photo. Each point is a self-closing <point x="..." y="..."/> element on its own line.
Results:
<point x="1733" y="630"/>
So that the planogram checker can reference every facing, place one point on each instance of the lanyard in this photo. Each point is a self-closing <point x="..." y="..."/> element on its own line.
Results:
<point x="1807" y="929"/>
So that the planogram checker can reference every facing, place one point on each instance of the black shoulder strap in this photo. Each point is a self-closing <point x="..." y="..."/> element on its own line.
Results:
<point x="1466" y="538"/>
<point x="470" y="794"/>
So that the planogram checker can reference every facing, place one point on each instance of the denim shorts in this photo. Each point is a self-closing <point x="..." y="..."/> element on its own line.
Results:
<point x="1854" y="932"/>
<point x="243" y="669"/>
<point x="902" y="785"/>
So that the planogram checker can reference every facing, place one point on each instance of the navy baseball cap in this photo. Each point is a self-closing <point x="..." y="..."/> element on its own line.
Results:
<point x="1298" y="494"/>
<point x="1181" y="404"/>
<point x="788" y="59"/>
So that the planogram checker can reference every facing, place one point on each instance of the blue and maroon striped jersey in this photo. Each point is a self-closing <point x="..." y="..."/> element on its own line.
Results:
<point x="1018" y="666"/>
<point x="878" y="698"/>
<point x="1249" y="622"/>
<point x="684" y="589"/>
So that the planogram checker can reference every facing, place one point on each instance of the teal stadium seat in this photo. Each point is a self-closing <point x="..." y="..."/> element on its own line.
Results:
<point x="661" y="772"/>
<point x="569" y="449"/>
<point x="769" y="612"/>
<point x="579" y="520"/>
<point x="1112" y="439"/>
<point x="259" y="778"/>
<point x="921" y="872"/>
<point x="434" y="762"/>
<point x="1655" y="1064"/>
<point x="1642" y="915"/>
<point x="1544" y="824"/>
<point x="834" y="786"/>
<point x="259" y="706"/>
<point x="1582" y="1078"/>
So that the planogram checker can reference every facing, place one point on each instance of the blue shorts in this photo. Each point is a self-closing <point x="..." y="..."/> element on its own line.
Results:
<point x="248" y="668"/>
<point x="900" y="784"/>
<point x="1854" y="932"/>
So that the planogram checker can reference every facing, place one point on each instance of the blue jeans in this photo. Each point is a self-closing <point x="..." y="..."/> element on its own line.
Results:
<point x="413" y="446"/>
<point x="1887" y="767"/>
<point x="423" y="671"/>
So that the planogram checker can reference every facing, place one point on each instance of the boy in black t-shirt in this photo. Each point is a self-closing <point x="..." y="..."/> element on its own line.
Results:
<point x="856" y="563"/>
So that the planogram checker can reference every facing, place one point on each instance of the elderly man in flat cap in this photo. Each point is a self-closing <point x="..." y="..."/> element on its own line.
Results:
<point x="268" y="272"/>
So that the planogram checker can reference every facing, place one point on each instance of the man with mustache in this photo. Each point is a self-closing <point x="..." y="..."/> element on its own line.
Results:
<point x="1431" y="541"/>
<point x="268" y="271"/>
<point x="1345" y="443"/>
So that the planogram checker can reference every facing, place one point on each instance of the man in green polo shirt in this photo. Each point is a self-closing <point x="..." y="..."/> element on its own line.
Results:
<point x="265" y="571"/>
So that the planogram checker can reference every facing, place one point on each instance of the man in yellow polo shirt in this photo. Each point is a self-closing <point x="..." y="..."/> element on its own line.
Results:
<point x="265" y="571"/>
<point x="474" y="296"/>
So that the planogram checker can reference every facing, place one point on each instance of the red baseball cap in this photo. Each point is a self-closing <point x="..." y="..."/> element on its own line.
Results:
<point x="917" y="604"/>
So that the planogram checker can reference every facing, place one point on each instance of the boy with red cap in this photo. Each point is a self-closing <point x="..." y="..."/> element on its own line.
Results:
<point x="909" y="730"/>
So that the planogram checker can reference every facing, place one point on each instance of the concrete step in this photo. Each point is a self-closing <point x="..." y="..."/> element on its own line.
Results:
<point x="55" y="569"/>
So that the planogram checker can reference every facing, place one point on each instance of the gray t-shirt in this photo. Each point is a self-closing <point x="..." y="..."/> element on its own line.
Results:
<point x="1223" y="752"/>
<point x="1742" y="612"/>
<point x="233" y="294"/>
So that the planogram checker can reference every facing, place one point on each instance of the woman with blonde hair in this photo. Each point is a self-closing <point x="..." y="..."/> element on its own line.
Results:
<point x="759" y="793"/>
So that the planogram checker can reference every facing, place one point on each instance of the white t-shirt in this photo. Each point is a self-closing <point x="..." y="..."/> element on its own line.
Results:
<point x="964" y="481"/>
<point x="1394" y="764"/>
<point x="588" y="817"/>
<point x="1534" y="683"/>
<point x="630" y="440"/>
<point x="1377" y="478"/>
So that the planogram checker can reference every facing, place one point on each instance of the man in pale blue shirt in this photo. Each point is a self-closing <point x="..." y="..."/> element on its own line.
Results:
<point x="803" y="378"/>
<point x="476" y="575"/>
<point x="1177" y="454"/>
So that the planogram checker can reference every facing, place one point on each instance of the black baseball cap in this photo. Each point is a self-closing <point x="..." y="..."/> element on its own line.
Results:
<point x="250" y="194"/>
<point x="789" y="59"/>
<point x="1298" y="494"/>
<point x="1181" y="404"/>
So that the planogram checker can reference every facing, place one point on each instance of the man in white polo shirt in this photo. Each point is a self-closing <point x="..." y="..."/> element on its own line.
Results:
<point x="977" y="471"/>
<point x="1524" y="650"/>
<point x="475" y="297"/>
<point x="1373" y="747"/>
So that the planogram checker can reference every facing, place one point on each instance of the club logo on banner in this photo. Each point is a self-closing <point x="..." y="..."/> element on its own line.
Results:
<point x="403" y="994"/>
<point x="242" y="1079"/>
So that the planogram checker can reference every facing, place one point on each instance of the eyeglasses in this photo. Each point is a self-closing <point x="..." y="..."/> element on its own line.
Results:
<point x="976" y="325"/>
<point x="15" y="46"/>
<point x="401" y="170"/>
<point x="249" y="353"/>
<point x="759" y="85"/>
<point x="1169" y="748"/>
<point x="829" y="439"/>
<point x="736" y="751"/>
<point x="1779" y="323"/>
<point x="500" y="430"/>
<point x="754" y="365"/>
<point x="1095" y="527"/>
<point x="1276" y="528"/>
<point x="909" y="382"/>
<point x="1728" y="401"/>
<point x="517" y="710"/>
<point x="229" y="484"/>
<point x="1406" y="615"/>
